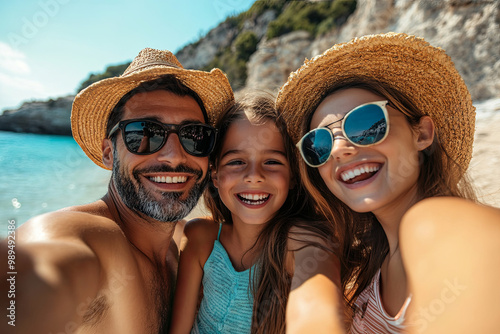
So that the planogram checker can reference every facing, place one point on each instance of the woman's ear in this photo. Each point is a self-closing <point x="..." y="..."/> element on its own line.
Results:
<point x="215" y="180"/>
<point x="425" y="133"/>
<point x="107" y="153"/>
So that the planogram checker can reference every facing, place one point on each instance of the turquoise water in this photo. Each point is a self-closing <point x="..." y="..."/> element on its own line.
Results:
<point x="42" y="173"/>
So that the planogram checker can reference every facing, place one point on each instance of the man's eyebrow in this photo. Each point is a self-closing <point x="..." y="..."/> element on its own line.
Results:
<point x="192" y="121"/>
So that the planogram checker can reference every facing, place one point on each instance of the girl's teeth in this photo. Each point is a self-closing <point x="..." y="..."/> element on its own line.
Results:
<point x="254" y="199"/>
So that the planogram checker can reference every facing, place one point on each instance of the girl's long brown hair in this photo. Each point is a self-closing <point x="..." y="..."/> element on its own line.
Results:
<point x="363" y="241"/>
<point x="270" y="283"/>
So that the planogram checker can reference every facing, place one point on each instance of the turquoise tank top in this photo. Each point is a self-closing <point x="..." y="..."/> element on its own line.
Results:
<point x="227" y="302"/>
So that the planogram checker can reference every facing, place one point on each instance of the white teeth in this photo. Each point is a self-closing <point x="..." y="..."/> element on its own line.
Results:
<point x="254" y="199"/>
<point x="351" y="174"/>
<point x="169" y="179"/>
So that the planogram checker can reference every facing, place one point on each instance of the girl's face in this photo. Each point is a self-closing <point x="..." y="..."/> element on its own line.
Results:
<point x="253" y="173"/>
<point x="377" y="178"/>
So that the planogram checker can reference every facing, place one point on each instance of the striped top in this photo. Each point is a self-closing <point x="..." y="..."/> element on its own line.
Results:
<point x="370" y="316"/>
<point x="227" y="302"/>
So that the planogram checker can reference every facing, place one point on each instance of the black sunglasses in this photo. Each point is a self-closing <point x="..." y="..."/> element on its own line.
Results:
<point x="142" y="136"/>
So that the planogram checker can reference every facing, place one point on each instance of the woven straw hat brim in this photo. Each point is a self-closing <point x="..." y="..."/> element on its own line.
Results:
<point x="406" y="63"/>
<point x="93" y="105"/>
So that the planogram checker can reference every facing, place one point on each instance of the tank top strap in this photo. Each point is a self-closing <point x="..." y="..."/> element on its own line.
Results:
<point x="220" y="229"/>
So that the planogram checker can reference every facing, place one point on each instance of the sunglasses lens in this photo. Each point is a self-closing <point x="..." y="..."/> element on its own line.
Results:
<point x="316" y="146"/>
<point x="143" y="137"/>
<point x="366" y="125"/>
<point x="197" y="139"/>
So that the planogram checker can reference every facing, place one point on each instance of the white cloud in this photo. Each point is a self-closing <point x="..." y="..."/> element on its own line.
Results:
<point x="12" y="60"/>
<point x="19" y="83"/>
<point x="16" y="83"/>
<point x="15" y="89"/>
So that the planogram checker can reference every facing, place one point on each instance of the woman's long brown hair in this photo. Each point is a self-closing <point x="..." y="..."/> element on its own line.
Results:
<point x="270" y="282"/>
<point x="363" y="241"/>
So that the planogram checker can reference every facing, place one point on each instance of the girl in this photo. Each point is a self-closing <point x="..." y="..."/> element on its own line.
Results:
<point x="385" y="127"/>
<point x="264" y="239"/>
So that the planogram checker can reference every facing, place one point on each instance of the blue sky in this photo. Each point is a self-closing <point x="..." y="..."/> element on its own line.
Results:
<point x="48" y="47"/>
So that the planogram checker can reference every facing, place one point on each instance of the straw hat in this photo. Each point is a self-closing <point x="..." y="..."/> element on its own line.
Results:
<point x="425" y="74"/>
<point x="93" y="105"/>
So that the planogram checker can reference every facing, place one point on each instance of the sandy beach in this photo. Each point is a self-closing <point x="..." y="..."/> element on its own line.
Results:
<point x="483" y="168"/>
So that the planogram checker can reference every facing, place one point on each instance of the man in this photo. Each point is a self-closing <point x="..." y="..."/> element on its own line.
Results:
<point x="110" y="266"/>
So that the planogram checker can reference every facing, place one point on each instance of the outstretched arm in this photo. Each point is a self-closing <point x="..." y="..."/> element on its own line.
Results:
<point x="189" y="276"/>
<point x="450" y="250"/>
<point x="56" y="275"/>
<point x="315" y="303"/>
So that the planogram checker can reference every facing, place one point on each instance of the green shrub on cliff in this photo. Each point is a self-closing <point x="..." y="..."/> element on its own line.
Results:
<point x="314" y="17"/>
<point x="257" y="9"/>
<point x="111" y="71"/>
<point x="245" y="45"/>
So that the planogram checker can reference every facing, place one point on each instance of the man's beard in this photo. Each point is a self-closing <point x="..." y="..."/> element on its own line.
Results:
<point x="168" y="209"/>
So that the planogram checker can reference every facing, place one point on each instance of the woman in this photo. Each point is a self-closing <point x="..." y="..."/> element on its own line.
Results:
<point x="385" y="127"/>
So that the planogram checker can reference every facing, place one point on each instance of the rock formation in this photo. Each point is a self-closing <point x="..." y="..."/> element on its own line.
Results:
<point x="49" y="117"/>
<point x="468" y="31"/>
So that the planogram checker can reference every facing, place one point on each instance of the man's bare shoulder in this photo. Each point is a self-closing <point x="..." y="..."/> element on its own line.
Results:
<point x="82" y="222"/>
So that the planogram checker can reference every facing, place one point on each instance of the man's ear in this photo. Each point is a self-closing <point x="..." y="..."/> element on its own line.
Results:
<point x="107" y="153"/>
<point x="425" y="133"/>
<point x="215" y="180"/>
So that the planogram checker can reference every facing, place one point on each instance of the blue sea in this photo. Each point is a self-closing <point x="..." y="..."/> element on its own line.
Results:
<point x="42" y="173"/>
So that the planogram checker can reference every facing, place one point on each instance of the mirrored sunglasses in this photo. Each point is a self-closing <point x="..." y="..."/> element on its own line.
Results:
<point x="365" y="125"/>
<point x="148" y="136"/>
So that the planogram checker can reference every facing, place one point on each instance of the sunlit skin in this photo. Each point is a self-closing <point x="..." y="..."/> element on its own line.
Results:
<point x="253" y="163"/>
<point x="388" y="192"/>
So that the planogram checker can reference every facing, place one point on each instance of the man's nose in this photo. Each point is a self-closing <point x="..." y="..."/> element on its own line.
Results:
<point x="172" y="152"/>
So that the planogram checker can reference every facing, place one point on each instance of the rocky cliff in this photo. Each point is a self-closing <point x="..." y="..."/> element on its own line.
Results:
<point x="49" y="117"/>
<point x="201" y="53"/>
<point x="467" y="29"/>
